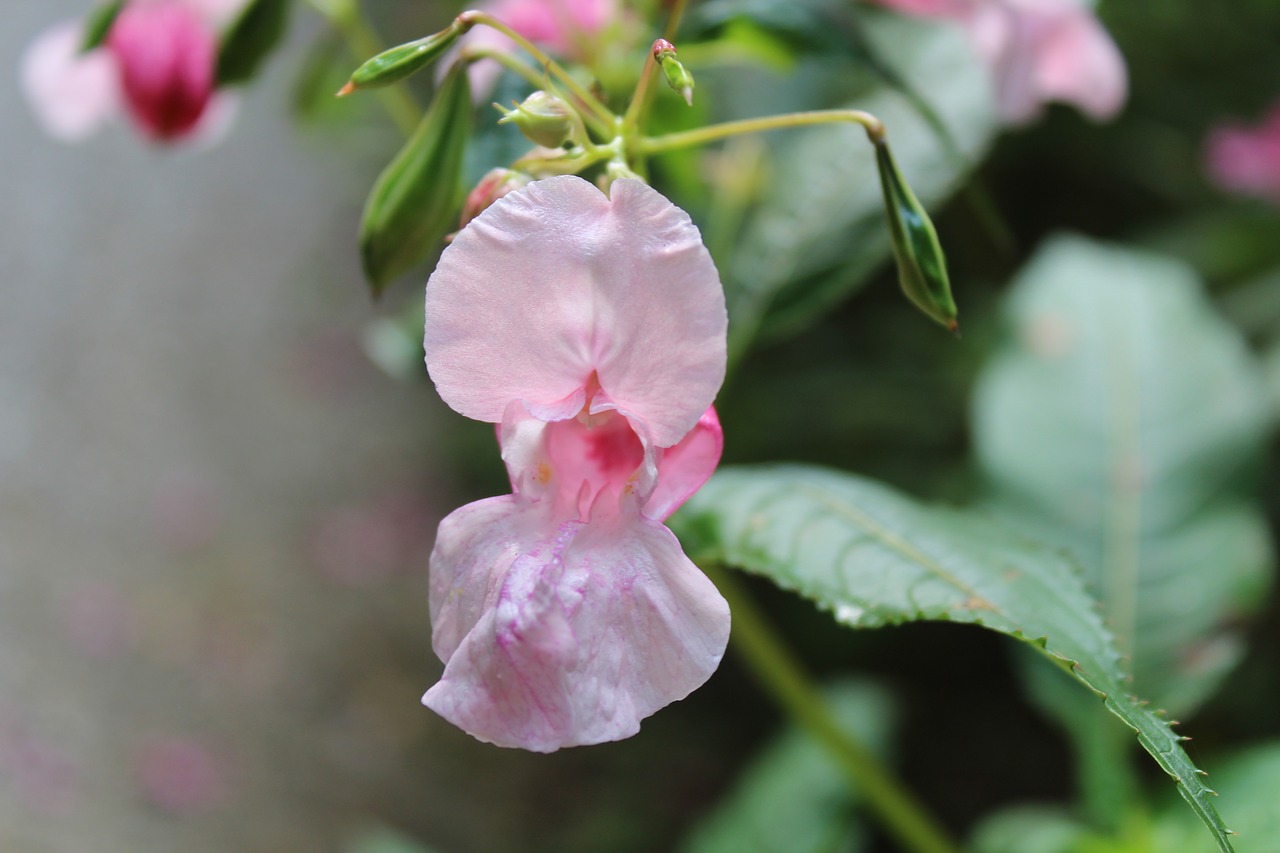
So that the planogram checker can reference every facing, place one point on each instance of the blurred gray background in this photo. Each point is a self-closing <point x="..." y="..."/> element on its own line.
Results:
<point x="214" y="511"/>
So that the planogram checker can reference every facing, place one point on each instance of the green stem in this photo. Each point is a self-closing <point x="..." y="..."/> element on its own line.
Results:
<point x="597" y="112"/>
<point x="779" y="673"/>
<point x="673" y="22"/>
<point x="640" y="97"/>
<point x="363" y="42"/>
<point x="714" y="132"/>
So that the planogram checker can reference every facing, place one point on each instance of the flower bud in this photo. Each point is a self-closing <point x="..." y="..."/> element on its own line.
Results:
<point x="399" y="62"/>
<point x="167" y="58"/>
<point x="922" y="268"/>
<point x="493" y="186"/>
<point x="678" y="77"/>
<point x="544" y="120"/>
<point x="412" y="204"/>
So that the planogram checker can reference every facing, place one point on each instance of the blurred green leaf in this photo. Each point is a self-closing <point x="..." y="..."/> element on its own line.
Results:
<point x="793" y="798"/>
<point x="1122" y="420"/>
<point x="823" y="212"/>
<point x="1250" y="782"/>
<point x="97" y="24"/>
<point x="250" y="40"/>
<point x="415" y="200"/>
<point x="1029" y="829"/>
<point x="874" y="557"/>
<point x="383" y="840"/>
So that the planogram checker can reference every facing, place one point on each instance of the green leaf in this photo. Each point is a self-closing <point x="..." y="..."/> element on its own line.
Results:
<point x="1251" y="782"/>
<point x="250" y="40"/>
<point x="820" y="231"/>
<point x="97" y="24"/>
<point x="1122" y="420"/>
<point x="415" y="199"/>
<point x="1029" y="829"/>
<point x="874" y="557"/>
<point x="793" y="798"/>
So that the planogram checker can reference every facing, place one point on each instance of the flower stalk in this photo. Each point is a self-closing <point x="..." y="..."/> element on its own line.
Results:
<point x="782" y="676"/>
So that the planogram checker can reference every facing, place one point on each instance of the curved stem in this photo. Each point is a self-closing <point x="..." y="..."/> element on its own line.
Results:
<point x="640" y="97"/>
<point x="531" y="76"/>
<point x="714" y="132"/>
<point x="595" y="109"/>
<point x="363" y="42"/>
<point x="780" y="674"/>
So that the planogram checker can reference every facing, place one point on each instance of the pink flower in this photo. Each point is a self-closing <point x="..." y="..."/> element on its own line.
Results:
<point x="1038" y="51"/>
<point x="1246" y="160"/>
<point x="568" y="28"/>
<point x="592" y="329"/>
<point x="159" y="62"/>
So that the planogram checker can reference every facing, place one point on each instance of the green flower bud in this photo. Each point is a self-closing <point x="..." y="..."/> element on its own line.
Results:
<point x="678" y="77"/>
<point x="544" y="119"/>
<point x="414" y="201"/>
<point x="399" y="62"/>
<point x="922" y="268"/>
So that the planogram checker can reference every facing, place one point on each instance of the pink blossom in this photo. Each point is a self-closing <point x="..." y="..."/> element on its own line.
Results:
<point x="592" y="329"/>
<point x="1246" y="159"/>
<point x="568" y="28"/>
<point x="1038" y="51"/>
<point x="158" y="62"/>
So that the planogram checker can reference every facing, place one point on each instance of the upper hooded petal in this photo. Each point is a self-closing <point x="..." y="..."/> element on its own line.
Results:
<point x="71" y="94"/>
<point x="570" y="637"/>
<point x="556" y="286"/>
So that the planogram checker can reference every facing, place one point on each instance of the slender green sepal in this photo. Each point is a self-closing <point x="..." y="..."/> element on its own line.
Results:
<point x="415" y="199"/>
<point x="397" y="63"/>
<point x="250" y="40"/>
<point x="678" y="77"/>
<point x="922" y="268"/>
<point x="97" y="24"/>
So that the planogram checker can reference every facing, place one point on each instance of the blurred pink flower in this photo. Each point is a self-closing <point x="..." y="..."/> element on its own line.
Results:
<point x="180" y="775"/>
<point x="158" y="63"/>
<point x="1038" y="51"/>
<point x="592" y="329"/>
<point x="1246" y="160"/>
<point x="567" y="28"/>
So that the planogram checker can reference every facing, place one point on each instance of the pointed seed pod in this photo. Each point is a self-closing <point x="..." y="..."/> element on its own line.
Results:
<point x="414" y="201"/>
<point x="397" y="63"/>
<point x="922" y="268"/>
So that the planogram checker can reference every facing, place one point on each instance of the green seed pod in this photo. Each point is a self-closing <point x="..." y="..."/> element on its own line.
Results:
<point x="922" y="268"/>
<point x="415" y="199"/>
<point x="544" y="120"/>
<point x="399" y="62"/>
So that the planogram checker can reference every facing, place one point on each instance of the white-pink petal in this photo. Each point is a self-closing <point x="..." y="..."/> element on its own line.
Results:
<point x="556" y="287"/>
<point x="572" y="639"/>
<point x="71" y="94"/>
